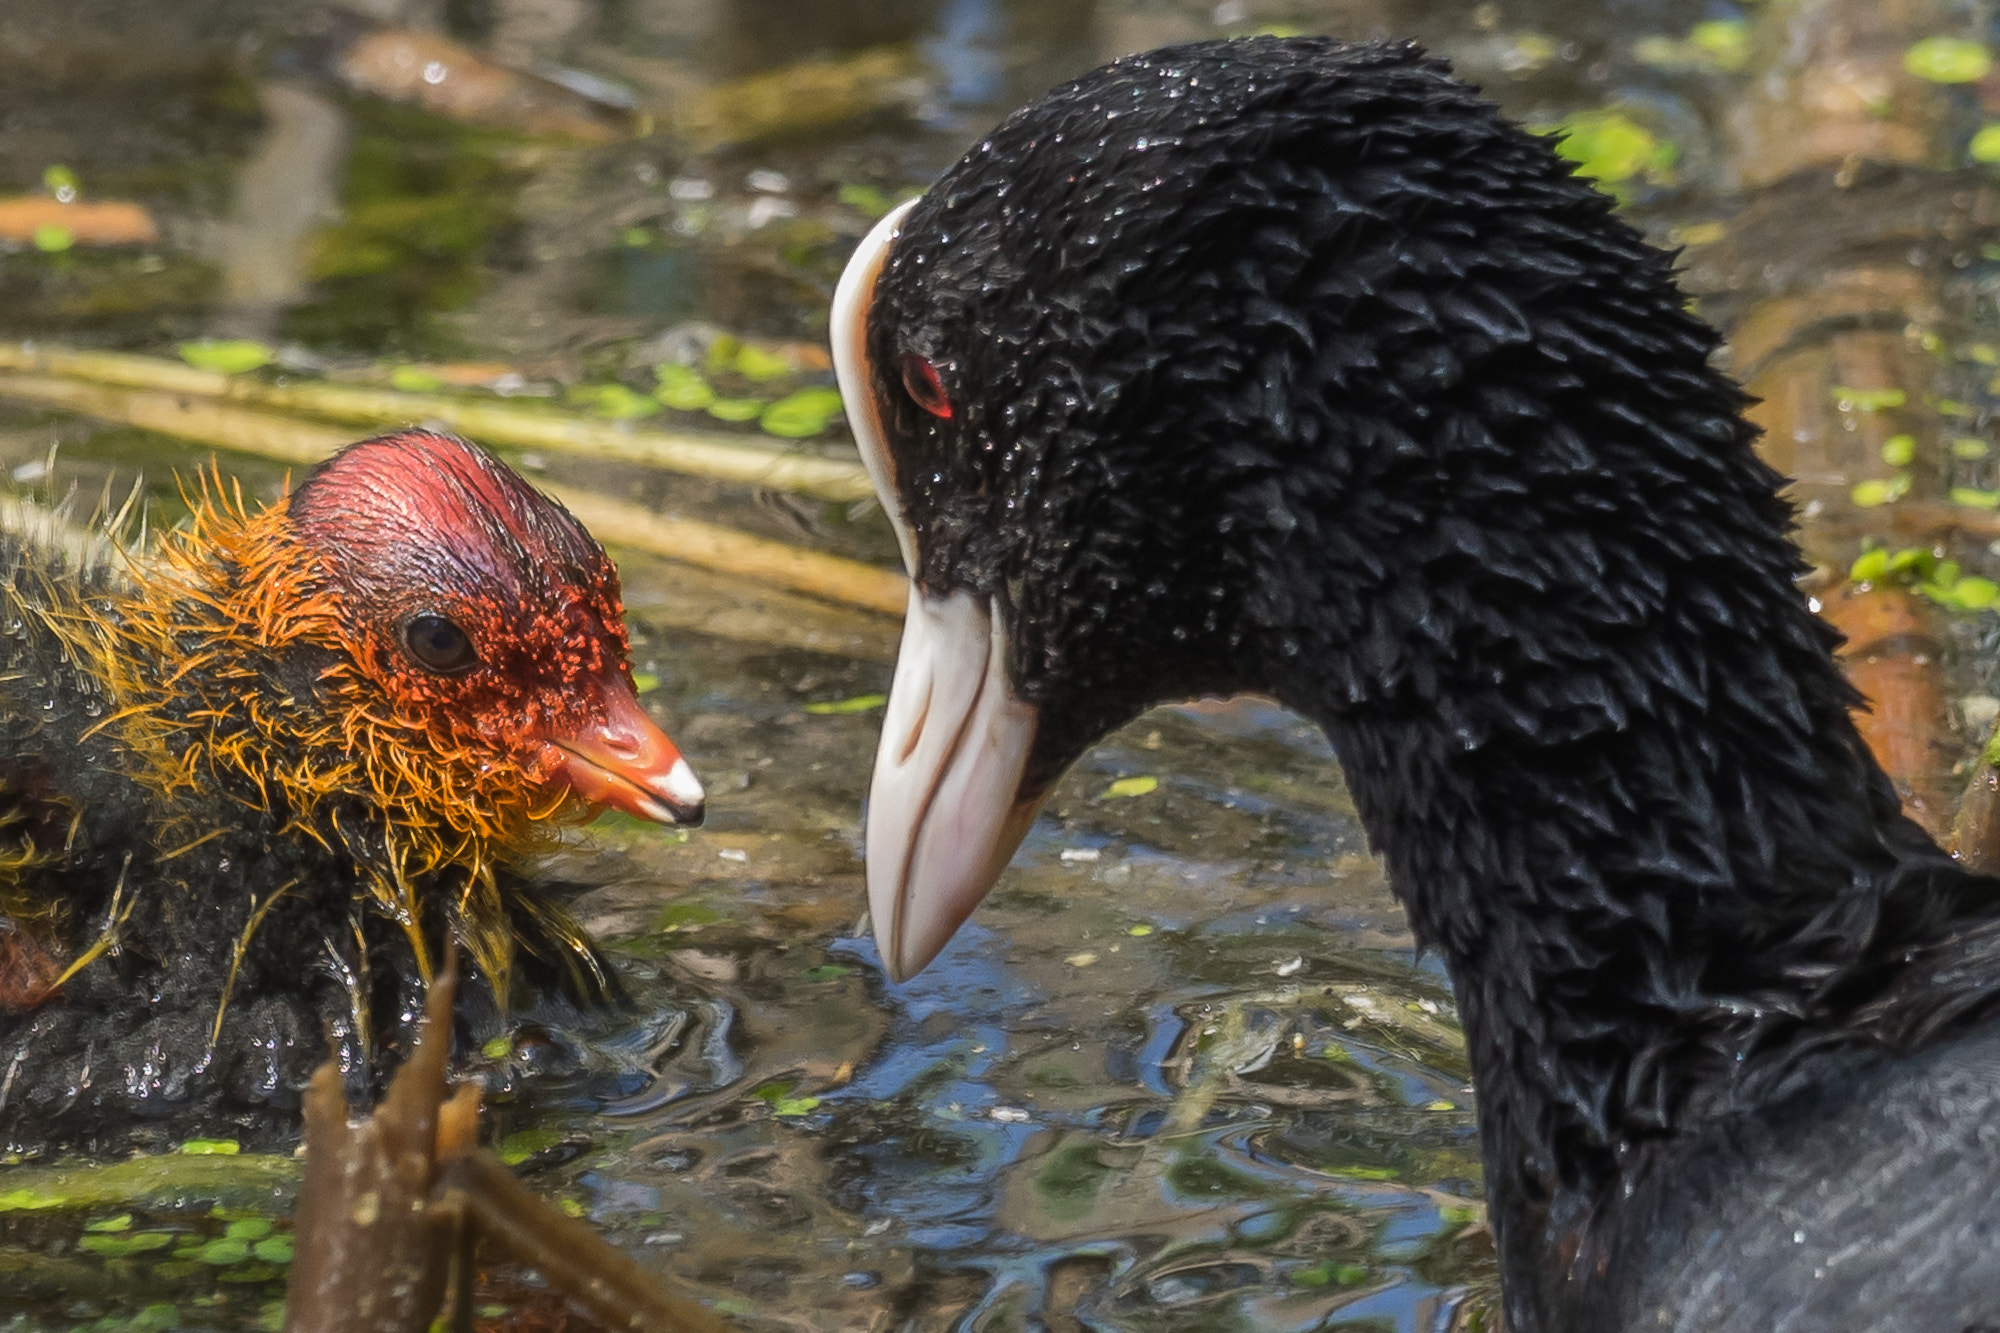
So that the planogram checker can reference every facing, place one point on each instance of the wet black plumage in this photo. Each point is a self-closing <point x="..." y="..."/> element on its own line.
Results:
<point x="1291" y="366"/>
<point x="72" y="822"/>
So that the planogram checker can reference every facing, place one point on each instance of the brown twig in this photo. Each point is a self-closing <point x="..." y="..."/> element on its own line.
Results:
<point x="368" y="1247"/>
<point x="1975" y="830"/>
<point x="602" y="1279"/>
<point x="393" y="1202"/>
<point x="1891" y="655"/>
<point x="96" y="222"/>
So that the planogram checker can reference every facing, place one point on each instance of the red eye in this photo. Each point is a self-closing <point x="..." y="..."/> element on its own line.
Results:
<point x="926" y="390"/>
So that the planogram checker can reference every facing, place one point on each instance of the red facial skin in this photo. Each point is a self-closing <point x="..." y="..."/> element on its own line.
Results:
<point x="425" y="525"/>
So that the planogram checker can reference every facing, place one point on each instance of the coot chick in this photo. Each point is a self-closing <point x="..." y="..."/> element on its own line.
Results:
<point x="1291" y="366"/>
<point x="251" y="780"/>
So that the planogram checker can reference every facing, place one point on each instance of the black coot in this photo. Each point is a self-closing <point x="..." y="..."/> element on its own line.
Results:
<point x="1291" y="366"/>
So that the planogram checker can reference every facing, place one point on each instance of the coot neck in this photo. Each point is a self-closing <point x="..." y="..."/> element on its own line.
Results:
<point x="1617" y="785"/>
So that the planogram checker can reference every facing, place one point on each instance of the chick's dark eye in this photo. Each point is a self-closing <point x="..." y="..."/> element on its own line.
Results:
<point x="439" y="644"/>
<point x="926" y="389"/>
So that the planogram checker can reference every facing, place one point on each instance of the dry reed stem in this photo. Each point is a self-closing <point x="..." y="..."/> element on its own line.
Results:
<point x="713" y="455"/>
<point x="290" y="440"/>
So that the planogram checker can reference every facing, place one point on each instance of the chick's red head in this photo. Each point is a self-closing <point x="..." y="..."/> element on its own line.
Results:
<point x="489" y="621"/>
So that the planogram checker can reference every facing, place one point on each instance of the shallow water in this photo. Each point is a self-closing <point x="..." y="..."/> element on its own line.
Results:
<point x="1185" y="1069"/>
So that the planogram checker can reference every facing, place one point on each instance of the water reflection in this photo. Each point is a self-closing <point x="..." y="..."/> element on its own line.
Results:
<point x="1146" y="1089"/>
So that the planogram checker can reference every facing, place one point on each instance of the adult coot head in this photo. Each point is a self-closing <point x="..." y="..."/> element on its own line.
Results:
<point x="1291" y="366"/>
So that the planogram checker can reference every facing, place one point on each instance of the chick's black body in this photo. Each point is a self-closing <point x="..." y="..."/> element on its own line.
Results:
<point x="131" y="1037"/>
<point x="1287" y="365"/>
